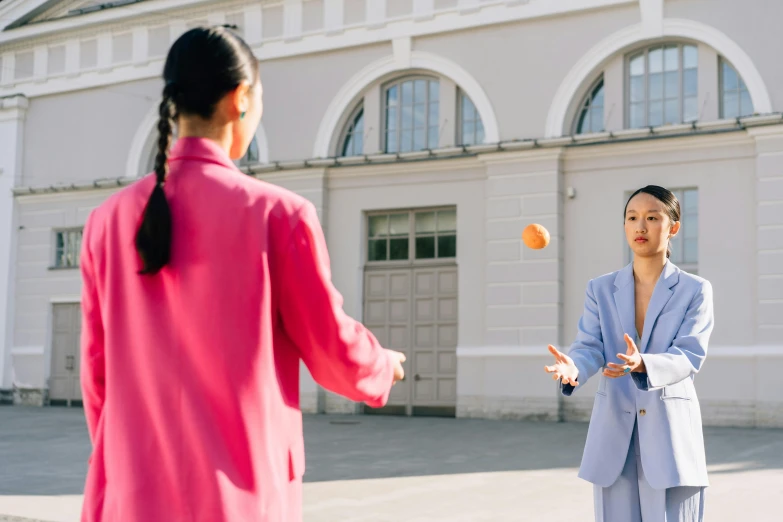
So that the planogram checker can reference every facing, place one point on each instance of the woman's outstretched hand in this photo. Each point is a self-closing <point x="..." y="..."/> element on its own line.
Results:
<point x="632" y="359"/>
<point x="563" y="369"/>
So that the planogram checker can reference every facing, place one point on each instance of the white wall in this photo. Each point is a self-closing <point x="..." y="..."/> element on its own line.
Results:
<point x="12" y="114"/>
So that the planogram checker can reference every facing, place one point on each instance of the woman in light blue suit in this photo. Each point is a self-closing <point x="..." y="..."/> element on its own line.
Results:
<point x="646" y="328"/>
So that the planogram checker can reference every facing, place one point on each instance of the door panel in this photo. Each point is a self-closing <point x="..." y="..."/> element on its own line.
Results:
<point x="64" y="382"/>
<point x="415" y="311"/>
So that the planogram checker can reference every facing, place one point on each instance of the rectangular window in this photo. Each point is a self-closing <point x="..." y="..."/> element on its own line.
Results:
<point x="662" y="86"/>
<point x="411" y="115"/>
<point x="67" y="247"/>
<point x="685" y="245"/>
<point x="412" y="235"/>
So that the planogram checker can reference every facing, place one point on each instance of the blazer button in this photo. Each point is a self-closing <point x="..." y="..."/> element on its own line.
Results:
<point x="642" y="412"/>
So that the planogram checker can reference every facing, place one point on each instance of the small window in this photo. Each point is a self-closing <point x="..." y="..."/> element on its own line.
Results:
<point x="251" y="156"/>
<point x="353" y="141"/>
<point x="663" y="86"/>
<point x="685" y="245"/>
<point x="470" y="129"/>
<point x="412" y="235"/>
<point x="735" y="98"/>
<point x="389" y="237"/>
<point x="591" y="115"/>
<point x="67" y="248"/>
<point x="436" y="234"/>
<point x="411" y="115"/>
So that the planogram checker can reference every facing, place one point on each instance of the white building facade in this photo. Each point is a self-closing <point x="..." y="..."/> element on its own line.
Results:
<point x="428" y="133"/>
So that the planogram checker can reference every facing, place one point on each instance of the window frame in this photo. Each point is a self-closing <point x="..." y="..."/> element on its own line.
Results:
<point x="459" y="137"/>
<point x="740" y="84"/>
<point x="243" y="161"/>
<point x="384" y="110"/>
<point x="645" y="51"/>
<point x="412" y="260"/>
<point x="54" y="257"/>
<point x="588" y="99"/>
<point x="350" y="124"/>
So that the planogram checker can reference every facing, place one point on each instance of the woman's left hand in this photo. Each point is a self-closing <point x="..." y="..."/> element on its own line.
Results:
<point x="632" y="359"/>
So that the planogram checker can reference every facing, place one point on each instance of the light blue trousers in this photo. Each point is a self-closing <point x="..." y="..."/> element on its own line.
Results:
<point x="632" y="499"/>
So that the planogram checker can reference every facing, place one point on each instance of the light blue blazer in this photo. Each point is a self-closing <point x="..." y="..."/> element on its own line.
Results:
<point x="662" y="401"/>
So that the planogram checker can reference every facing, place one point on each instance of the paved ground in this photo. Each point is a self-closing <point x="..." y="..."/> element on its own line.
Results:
<point x="377" y="469"/>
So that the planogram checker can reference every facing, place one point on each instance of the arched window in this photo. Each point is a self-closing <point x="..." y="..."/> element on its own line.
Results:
<point x="591" y="114"/>
<point x="411" y="115"/>
<point x="735" y="99"/>
<point x="353" y="137"/>
<point x="470" y="130"/>
<point x="663" y="85"/>
<point x="251" y="156"/>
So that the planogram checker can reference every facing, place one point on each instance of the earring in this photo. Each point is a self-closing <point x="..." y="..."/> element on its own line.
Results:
<point x="242" y="115"/>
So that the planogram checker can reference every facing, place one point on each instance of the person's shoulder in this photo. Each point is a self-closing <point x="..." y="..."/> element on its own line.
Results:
<point x="139" y="190"/>
<point x="693" y="281"/>
<point x="605" y="280"/>
<point x="283" y="208"/>
<point x="280" y="199"/>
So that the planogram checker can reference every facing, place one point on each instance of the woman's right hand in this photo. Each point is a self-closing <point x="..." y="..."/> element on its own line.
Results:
<point x="563" y="369"/>
<point x="399" y="371"/>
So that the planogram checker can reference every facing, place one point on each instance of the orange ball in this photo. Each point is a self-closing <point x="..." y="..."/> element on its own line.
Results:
<point x="535" y="236"/>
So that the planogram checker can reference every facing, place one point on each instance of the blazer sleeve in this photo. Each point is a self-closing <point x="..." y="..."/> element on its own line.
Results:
<point x="93" y="360"/>
<point x="688" y="350"/>
<point x="587" y="351"/>
<point x="341" y="354"/>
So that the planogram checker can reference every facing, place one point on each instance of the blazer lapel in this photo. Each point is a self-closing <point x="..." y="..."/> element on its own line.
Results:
<point x="661" y="295"/>
<point x="624" y="300"/>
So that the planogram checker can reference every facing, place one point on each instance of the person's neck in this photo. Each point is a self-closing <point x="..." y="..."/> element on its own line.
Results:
<point x="647" y="270"/>
<point x="194" y="127"/>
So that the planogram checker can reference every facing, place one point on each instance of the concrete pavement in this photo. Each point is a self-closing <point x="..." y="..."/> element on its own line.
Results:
<point x="377" y="469"/>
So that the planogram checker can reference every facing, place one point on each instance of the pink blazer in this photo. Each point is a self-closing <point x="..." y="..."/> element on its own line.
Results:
<point x="190" y="377"/>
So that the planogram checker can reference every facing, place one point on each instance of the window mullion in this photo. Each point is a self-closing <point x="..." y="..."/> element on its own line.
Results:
<point x="647" y="88"/>
<point x="681" y="81"/>
<point x="426" y="115"/>
<point x="398" y="131"/>
<point x="411" y="235"/>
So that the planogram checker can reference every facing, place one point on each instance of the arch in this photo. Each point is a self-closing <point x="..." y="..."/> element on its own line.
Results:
<point x="584" y="70"/>
<point x="346" y="98"/>
<point x="144" y="140"/>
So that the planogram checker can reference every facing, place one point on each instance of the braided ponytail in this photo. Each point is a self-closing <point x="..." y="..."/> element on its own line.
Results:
<point x="153" y="239"/>
<point x="202" y="66"/>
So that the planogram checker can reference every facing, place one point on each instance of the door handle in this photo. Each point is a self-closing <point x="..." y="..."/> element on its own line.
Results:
<point x="69" y="362"/>
<point x="417" y="377"/>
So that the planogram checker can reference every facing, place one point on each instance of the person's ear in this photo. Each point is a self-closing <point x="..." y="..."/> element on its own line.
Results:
<point x="675" y="228"/>
<point x="240" y="99"/>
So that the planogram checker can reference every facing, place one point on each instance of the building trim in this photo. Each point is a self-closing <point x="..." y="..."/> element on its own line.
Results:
<point x="584" y="70"/>
<point x="27" y="350"/>
<point x="652" y="17"/>
<point x="486" y="153"/>
<point x="380" y="29"/>
<point x="720" y="352"/>
<point x="349" y="94"/>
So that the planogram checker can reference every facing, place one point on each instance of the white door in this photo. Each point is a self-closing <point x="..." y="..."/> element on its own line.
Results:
<point x="410" y="304"/>
<point x="64" y="386"/>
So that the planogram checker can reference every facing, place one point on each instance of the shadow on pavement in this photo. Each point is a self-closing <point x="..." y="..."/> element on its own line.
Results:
<point x="45" y="451"/>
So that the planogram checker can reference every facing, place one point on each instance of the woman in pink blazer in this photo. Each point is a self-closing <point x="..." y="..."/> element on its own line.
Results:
<point x="203" y="289"/>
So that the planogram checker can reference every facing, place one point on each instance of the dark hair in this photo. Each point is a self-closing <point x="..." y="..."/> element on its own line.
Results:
<point x="671" y="204"/>
<point x="202" y="66"/>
